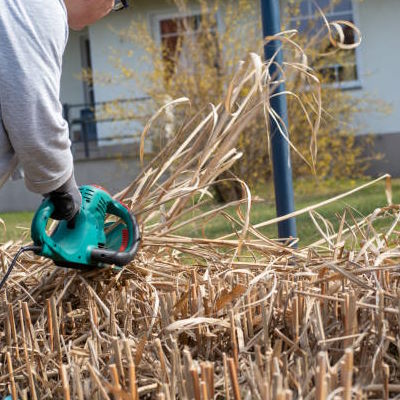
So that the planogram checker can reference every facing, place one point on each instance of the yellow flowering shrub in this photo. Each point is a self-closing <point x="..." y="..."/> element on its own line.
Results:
<point x="196" y="57"/>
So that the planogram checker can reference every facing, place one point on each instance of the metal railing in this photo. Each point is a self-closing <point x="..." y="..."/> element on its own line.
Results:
<point x="84" y="121"/>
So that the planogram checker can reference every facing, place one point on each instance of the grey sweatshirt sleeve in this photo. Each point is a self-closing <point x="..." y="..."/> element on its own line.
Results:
<point x="33" y="36"/>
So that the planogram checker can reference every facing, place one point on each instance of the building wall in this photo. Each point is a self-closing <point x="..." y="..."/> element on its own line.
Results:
<point x="72" y="92"/>
<point x="379" y="56"/>
<point x="105" y="42"/>
<point x="379" y="60"/>
<point x="387" y="145"/>
<point x="71" y="86"/>
<point x="108" y="47"/>
<point x="112" y="174"/>
<point x="105" y="39"/>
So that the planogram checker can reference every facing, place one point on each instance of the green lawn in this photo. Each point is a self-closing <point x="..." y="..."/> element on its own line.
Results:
<point x="306" y="193"/>
<point x="18" y="224"/>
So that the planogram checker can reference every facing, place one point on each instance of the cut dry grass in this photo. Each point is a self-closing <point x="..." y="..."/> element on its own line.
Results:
<point x="271" y="322"/>
<point x="239" y="316"/>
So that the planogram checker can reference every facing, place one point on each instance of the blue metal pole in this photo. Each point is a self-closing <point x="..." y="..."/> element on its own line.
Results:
<point x="282" y="167"/>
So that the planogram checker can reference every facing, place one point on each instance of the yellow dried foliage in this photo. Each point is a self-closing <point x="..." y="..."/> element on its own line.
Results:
<point x="229" y="297"/>
<point x="200" y="64"/>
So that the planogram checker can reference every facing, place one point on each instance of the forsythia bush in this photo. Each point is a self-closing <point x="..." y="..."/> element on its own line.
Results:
<point x="196" y="57"/>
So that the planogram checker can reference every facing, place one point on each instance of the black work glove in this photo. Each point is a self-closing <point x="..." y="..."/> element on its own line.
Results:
<point x="67" y="200"/>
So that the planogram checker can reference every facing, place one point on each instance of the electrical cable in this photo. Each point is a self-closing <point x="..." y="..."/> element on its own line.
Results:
<point x="13" y="262"/>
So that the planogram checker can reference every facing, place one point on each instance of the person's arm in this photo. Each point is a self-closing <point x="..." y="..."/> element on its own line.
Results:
<point x="33" y="36"/>
<point x="32" y="40"/>
<point x="83" y="13"/>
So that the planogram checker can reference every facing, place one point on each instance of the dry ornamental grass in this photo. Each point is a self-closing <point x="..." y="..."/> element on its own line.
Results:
<point x="240" y="316"/>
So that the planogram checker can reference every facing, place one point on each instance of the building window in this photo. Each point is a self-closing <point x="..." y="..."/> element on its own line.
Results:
<point x="342" y="67"/>
<point x="187" y="40"/>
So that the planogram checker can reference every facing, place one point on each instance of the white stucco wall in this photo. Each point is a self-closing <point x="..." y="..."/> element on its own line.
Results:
<point x="71" y="87"/>
<point x="72" y="91"/>
<point x="103" y="42"/>
<point x="378" y="57"/>
<point x="380" y="60"/>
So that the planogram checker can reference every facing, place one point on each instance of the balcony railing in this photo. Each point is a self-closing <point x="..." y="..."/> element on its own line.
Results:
<point x="94" y="125"/>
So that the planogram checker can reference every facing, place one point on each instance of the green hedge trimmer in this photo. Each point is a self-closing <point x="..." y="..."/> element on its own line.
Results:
<point x="87" y="241"/>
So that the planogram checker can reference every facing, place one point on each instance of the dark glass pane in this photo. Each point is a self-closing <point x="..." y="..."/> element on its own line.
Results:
<point x="324" y="5"/>
<point x="348" y="35"/>
<point x="293" y="24"/>
<point x="347" y="73"/>
<point x="317" y="27"/>
<point x="342" y="5"/>
<point x="305" y="8"/>
<point x="180" y="34"/>
<point x="328" y="74"/>
<point x="344" y="16"/>
<point x="168" y="26"/>
<point x="197" y="22"/>
<point x="187" y="24"/>
<point x="302" y="25"/>
<point x="347" y="31"/>
<point x="177" y="26"/>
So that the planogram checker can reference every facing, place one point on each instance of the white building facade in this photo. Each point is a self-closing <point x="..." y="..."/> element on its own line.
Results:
<point x="375" y="65"/>
<point x="106" y="151"/>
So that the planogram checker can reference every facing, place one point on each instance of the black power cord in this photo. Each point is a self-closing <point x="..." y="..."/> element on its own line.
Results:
<point x="10" y="268"/>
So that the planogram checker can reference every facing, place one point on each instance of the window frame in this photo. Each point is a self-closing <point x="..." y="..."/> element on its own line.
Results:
<point x="356" y="83"/>
<point x="157" y="17"/>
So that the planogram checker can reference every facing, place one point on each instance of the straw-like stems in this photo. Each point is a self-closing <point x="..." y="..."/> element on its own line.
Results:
<point x="234" y="378"/>
<point x="11" y="374"/>
<point x="65" y="383"/>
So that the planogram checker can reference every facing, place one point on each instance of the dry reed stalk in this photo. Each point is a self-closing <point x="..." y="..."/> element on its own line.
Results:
<point x="226" y="376"/>
<point x="347" y="374"/>
<point x="50" y="324"/>
<point x="234" y="340"/>
<point x="196" y="384"/>
<point x="65" y="383"/>
<point x="55" y="325"/>
<point x="11" y="373"/>
<point x="234" y="378"/>
<point x="133" y="394"/>
<point x="204" y="390"/>
<point x="77" y="383"/>
<point x="386" y="372"/>
<point x="116" y="387"/>
<point x="13" y="330"/>
<point x="28" y="364"/>
<point x="118" y="360"/>
<point x="164" y="372"/>
<point x="98" y="384"/>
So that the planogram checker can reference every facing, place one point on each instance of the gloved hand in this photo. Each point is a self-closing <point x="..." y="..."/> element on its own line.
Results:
<point x="67" y="200"/>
